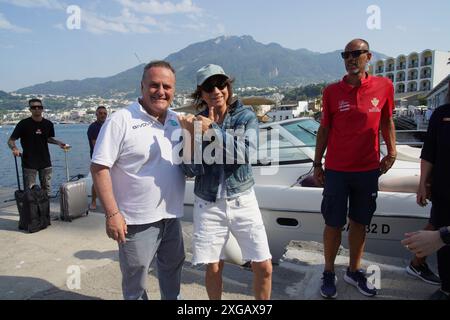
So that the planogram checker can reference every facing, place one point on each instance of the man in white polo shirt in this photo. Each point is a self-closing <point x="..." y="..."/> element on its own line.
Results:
<point x="141" y="187"/>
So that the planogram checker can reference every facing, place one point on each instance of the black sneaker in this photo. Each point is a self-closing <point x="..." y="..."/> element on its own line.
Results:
<point x="424" y="273"/>
<point x="359" y="280"/>
<point x="440" y="295"/>
<point x="328" y="288"/>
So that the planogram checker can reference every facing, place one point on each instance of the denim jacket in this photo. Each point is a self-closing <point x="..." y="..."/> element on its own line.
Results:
<point x="238" y="151"/>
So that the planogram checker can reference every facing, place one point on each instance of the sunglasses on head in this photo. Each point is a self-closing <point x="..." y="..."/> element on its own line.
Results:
<point x="209" y="86"/>
<point x="36" y="107"/>
<point x="354" y="54"/>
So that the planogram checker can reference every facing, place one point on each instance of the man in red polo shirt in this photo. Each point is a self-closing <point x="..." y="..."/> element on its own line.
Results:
<point x="354" y="110"/>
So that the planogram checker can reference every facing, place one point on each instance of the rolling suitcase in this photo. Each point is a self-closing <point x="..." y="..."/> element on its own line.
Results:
<point x="33" y="206"/>
<point x="74" y="197"/>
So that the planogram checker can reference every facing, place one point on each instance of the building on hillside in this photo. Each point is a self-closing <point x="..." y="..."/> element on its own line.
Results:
<point x="285" y="112"/>
<point x="414" y="75"/>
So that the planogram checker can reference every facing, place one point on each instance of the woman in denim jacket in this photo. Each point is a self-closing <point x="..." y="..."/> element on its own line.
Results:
<point x="224" y="197"/>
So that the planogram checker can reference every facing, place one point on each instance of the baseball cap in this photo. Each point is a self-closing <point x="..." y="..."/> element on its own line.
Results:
<point x="208" y="71"/>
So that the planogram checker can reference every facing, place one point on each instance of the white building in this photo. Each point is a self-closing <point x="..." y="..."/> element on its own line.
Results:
<point x="438" y="96"/>
<point x="285" y="112"/>
<point x="416" y="72"/>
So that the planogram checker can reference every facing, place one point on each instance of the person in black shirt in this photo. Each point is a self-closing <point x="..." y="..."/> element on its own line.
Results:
<point x="92" y="133"/>
<point x="35" y="133"/>
<point x="435" y="165"/>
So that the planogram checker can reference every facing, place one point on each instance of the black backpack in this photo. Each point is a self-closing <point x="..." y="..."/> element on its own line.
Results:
<point x="35" y="209"/>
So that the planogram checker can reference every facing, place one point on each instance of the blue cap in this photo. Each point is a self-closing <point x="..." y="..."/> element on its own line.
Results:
<point x="208" y="71"/>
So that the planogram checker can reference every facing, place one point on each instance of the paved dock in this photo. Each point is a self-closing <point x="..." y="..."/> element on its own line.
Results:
<point x="76" y="260"/>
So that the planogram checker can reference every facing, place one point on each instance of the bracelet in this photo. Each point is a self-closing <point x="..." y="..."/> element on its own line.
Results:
<point x="392" y="157"/>
<point x="111" y="215"/>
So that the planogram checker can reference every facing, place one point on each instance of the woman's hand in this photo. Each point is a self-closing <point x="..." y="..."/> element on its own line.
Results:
<point x="206" y="123"/>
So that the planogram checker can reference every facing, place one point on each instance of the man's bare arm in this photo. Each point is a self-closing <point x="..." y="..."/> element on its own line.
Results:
<point x="321" y="146"/>
<point x="116" y="227"/>
<point x="425" y="176"/>
<point x="388" y="131"/>
<point x="57" y="142"/>
<point x="103" y="185"/>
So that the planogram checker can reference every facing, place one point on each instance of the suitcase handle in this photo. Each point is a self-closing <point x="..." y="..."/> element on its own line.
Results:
<point x="17" y="173"/>
<point x="67" y="166"/>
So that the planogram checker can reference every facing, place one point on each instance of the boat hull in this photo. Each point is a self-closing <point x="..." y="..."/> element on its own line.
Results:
<point x="293" y="213"/>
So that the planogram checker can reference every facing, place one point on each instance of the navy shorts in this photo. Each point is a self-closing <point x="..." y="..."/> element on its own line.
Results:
<point x="354" y="193"/>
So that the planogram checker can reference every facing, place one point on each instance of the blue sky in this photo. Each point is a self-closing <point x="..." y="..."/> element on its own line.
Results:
<point x="37" y="46"/>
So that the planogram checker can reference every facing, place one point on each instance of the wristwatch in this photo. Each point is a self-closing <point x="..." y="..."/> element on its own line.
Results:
<point x="445" y="235"/>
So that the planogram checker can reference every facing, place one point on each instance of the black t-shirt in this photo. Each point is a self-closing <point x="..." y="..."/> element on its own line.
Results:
<point x="33" y="137"/>
<point x="92" y="133"/>
<point x="436" y="149"/>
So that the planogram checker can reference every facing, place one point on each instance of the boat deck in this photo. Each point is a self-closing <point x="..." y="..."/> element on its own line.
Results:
<point x="43" y="265"/>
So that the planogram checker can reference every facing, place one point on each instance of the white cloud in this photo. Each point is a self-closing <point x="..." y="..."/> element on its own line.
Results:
<point x="127" y="22"/>
<point x="49" y="4"/>
<point x="6" y="25"/>
<point x="154" y="7"/>
<point x="136" y="16"/>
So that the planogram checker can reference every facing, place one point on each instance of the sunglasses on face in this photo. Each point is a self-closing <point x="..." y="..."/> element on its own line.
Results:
<point x="36" y="107"/>
<point x="209" y="86"/>
<point x="353" y="54"/>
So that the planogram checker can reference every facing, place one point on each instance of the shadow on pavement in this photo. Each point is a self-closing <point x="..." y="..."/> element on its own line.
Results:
<point x="27" y="288"/>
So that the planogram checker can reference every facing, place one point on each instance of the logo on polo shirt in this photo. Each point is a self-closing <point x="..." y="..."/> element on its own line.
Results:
<point x="344" y="106"/>
<point x="142" y="125"/>
<point x="375" y="103"/>
<point x="173" y="123"/>
<point x="38" y="131"/>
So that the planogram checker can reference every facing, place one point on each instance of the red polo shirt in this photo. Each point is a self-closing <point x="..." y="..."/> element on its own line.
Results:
<point x="353" y="116"/>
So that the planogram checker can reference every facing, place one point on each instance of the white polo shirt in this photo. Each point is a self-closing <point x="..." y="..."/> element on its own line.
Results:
<point x="148" y="184"/>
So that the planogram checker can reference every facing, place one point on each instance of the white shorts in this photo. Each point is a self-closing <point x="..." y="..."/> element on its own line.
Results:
<point x="213" y="222"/>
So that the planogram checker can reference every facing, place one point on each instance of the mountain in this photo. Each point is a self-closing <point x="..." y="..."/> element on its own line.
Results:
<point x="4" y="95"/>
<point x="8" y="101"/>
<point x="125" y="82"/>
<point x="250" y="62"/>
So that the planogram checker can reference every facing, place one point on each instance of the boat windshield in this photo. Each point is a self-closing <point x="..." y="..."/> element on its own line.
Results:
<point x="305" y="130"/>
<point x="295" y="143"/>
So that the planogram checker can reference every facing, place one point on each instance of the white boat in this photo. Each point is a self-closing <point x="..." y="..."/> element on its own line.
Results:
<point x="291" y="206"/>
